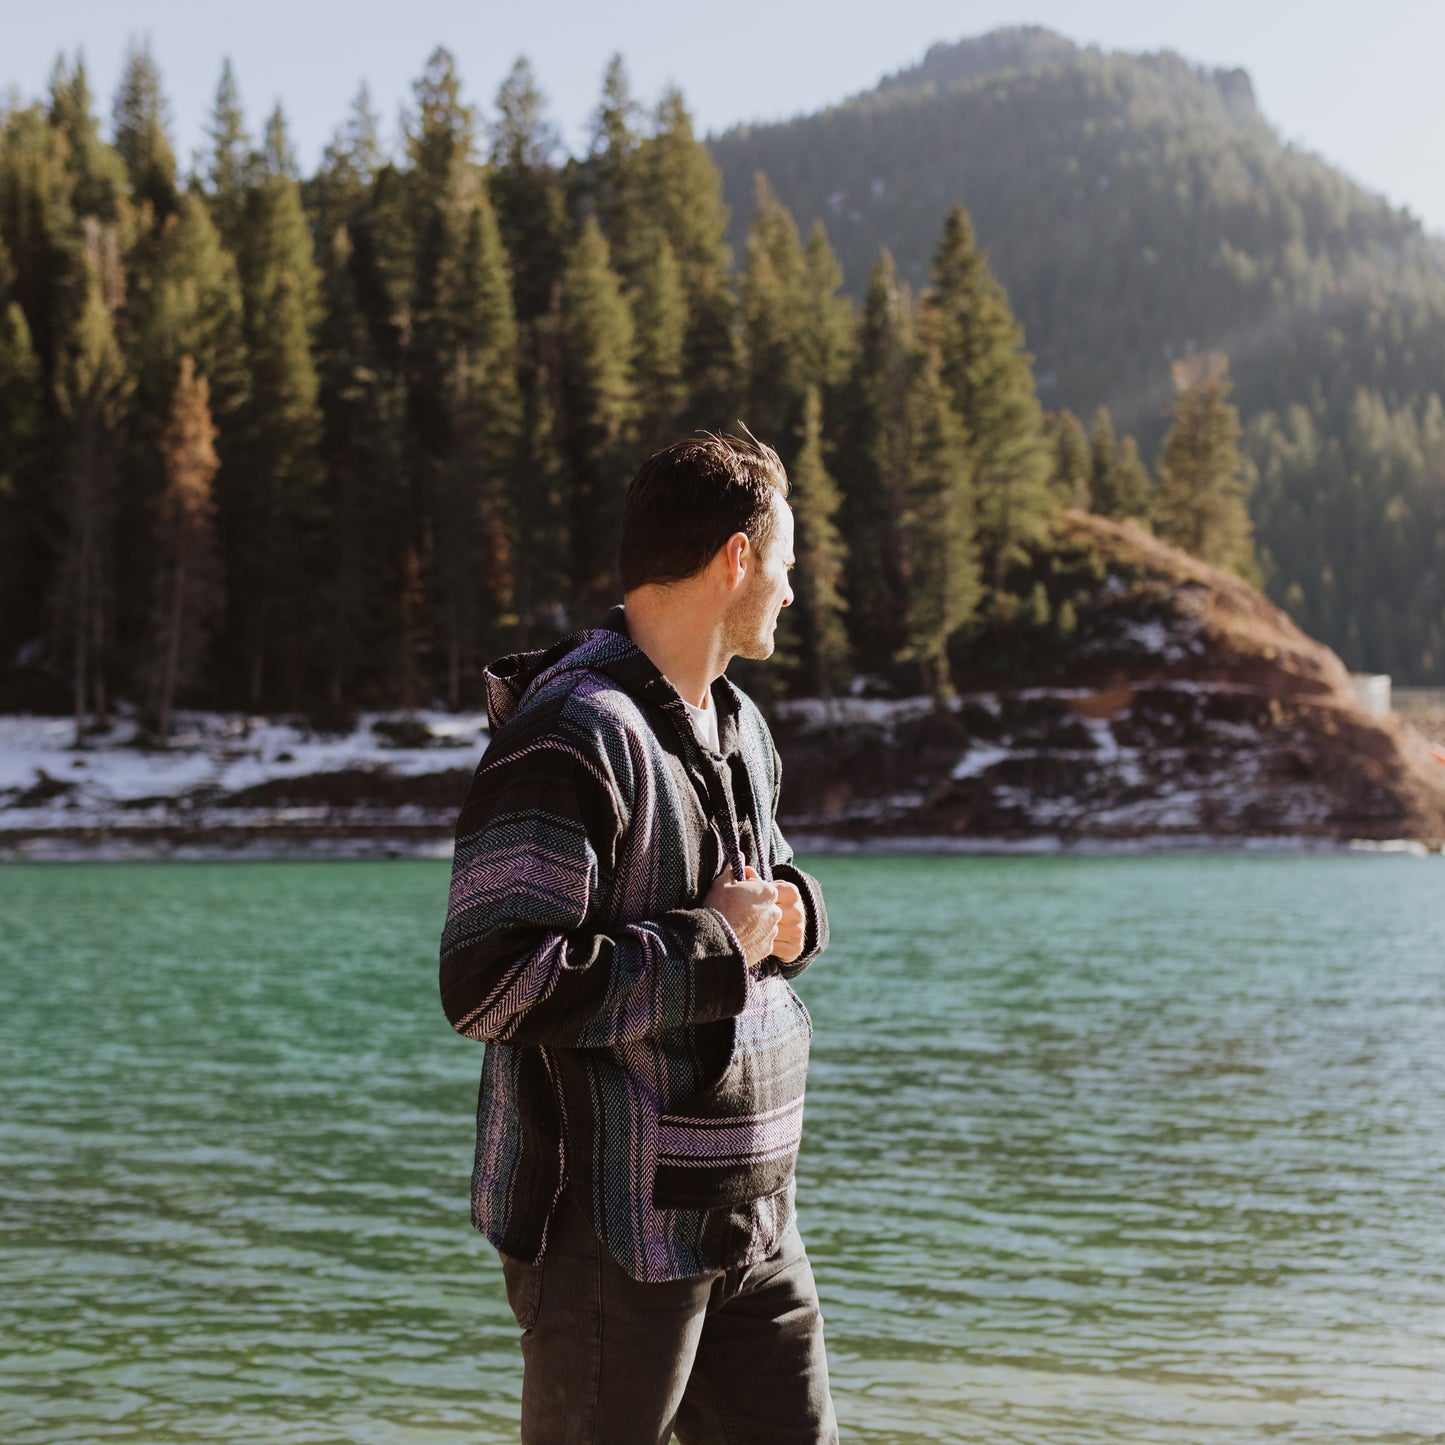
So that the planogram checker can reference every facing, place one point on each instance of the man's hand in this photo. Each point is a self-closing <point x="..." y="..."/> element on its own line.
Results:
<point x="792" y="927"/>
<point x="751" y="907"/>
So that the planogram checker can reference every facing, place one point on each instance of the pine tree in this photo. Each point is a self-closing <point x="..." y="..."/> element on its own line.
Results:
<point x="193" y="306"/>
<point x="616" y="178"/>
<point x="817" y="615"/>
<point x="21" y="473"/>
<point x="826" y="320"/>
<point x="872" y="464"/>
<point x="40" y="230"/>
<point x="100" y="183"/>
<point x="1118" y="481"/>
<point x="659" y="308"/>
<point x="1072" y="461"/>
<point x="230" y="167"/>
<point x="441" y="128"/>
<point x="339" y="192"/>
<point x="188" y="588"/>
<point x="938" y="527"/>
<point x="141" y="133"/>
<point x="598" y="411"/>
<point x="987" y="374"/>
<point x="270" y="500"/>
<point x="542" y="506"/>
<point x="363" y="404"/>
<point x="526" y="193"/>
<point x="684" y="195"/>
<point x="277" y="156"/>
<point x="91" y="391"/>
<point x="773" y="301"/>
<point x="184" y="298"/>
<point x="475" y="334"/>
<point x="1200" y="501"/>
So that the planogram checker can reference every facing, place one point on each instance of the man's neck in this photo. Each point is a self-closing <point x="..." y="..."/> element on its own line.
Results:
<point x="682" y="641"/>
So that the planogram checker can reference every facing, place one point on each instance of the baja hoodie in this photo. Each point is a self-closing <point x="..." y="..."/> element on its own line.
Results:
<point x="631" y="1054"/>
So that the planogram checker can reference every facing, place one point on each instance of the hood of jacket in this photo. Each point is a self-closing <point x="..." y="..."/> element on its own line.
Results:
<point x="610" y="650"/>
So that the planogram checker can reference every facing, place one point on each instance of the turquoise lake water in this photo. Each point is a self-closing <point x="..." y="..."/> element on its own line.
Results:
<point x="1113" y="1150"/>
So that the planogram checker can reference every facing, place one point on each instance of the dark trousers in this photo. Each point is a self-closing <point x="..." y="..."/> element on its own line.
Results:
<point x="733" y="1358"/>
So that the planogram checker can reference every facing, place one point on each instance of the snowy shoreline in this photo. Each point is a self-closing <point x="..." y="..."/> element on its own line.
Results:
<point x="231" y="787"/>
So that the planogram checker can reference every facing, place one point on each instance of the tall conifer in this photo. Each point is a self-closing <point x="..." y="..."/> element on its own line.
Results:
<point x="141" y="133"/>
<point x="188" y="588"/>
<point x="986" y="371"/>
<point x="91" y="391"/>
<point x="274" y="489"/>
<point x="1072" y="460"/>
<point x="685" y="195"/>
<point x="99" y="176"/>
<point x="1118" y="481"/>
<point x="477" y="334"/>
<point x="363" y="405"/>
<point x="818" y="546"/>
<point x="1200" y="501"/>
<point x="659" y="307"/>
<point x="22" y="416"/>
<point x="826" y="318"/>
<point x="773" y="315"/>
<point x="526" y="191"/>
<point x="872" y="463"/>
<point x="229" y="164"/>
<point x="598" y="413"/>
<point x="938" y="525"/>
<point x="542" y="505"/>
<point x="616" y="177"/>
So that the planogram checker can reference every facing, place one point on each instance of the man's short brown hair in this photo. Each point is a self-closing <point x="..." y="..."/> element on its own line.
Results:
<point x="688" y="499"/>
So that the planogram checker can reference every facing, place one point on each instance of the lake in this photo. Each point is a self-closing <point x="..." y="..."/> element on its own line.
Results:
<point x="1097" y="1150"/>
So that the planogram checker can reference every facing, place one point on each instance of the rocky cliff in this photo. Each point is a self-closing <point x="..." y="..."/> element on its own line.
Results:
<point x="1178" y="705"/>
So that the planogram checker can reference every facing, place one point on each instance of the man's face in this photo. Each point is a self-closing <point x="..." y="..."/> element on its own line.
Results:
<point x="752" y="618"/>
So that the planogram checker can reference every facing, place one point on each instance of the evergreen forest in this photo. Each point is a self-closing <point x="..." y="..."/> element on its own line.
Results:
<point x="314" y="443"/>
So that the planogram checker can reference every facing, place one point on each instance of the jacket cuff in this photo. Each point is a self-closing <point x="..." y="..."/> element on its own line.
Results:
<point x="815" y="916"/>
<point x="717" y="965"/>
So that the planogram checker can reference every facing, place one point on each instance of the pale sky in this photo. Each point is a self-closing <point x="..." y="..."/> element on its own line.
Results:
<point x="1359" y="84"/>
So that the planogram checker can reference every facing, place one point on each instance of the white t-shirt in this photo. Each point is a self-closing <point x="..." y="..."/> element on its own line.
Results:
<point x="704" y="719"/>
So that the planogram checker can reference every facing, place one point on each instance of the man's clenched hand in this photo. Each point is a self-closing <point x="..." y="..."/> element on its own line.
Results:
<point x="751" y="907"/>
<point x="791" y="927"/>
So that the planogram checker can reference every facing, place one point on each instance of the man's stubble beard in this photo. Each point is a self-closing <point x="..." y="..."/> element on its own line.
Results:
<point x="746" y="633"/>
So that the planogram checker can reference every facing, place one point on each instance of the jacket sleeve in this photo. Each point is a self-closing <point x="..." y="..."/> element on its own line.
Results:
<point x="522" y="957"/>
<point x="815" y="930"/>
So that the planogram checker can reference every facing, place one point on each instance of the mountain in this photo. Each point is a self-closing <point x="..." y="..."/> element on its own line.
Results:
<point x="1137" y="208"/>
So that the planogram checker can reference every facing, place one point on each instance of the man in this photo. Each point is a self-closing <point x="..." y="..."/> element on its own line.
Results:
<point x="623" y="922"/>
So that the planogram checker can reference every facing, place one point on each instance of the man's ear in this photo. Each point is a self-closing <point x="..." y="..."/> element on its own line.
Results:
<point x="738" y="556"/>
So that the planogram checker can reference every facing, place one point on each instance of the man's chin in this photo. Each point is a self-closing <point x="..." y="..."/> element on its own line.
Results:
<point x="758" y="650"/>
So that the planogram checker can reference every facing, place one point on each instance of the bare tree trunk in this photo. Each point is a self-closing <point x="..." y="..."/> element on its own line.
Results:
<point x="84" y="521"/>
<point x="454" y="658"/>
<point x="171" y="665"/>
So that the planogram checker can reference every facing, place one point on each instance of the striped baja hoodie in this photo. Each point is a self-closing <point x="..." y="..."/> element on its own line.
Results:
<point x="631" y="1054"/>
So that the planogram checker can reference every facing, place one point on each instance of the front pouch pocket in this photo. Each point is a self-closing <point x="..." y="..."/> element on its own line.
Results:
<point x="738" y="1140"/>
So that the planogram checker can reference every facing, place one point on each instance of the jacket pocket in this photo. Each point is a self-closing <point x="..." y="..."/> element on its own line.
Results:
<point x="738" y="1140"/>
